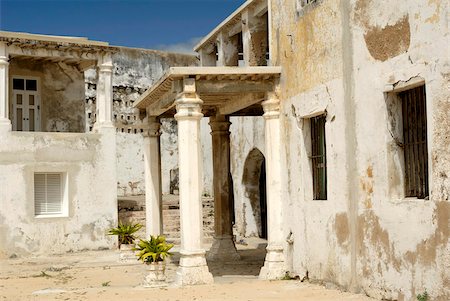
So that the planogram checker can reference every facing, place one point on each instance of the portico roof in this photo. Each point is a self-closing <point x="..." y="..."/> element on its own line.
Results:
<point x="224" y="90"/>
<point x="72" y="50"/>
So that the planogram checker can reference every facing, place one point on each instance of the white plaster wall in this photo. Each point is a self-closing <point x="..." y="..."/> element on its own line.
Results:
<point x="169" y="151"/>
<point x="405" y="261"/>
<point x="135" y="71"/>
<point x="366" y="237"/>
<point x="247" y="133"/>
<point x="130" y="164"/>
<point x="86" y="159"/>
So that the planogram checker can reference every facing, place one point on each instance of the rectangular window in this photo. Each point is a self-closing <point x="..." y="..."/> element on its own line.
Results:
<point x="48" y="194"/>
<point x="415" y="142"/>
<point x="319" y="158"/>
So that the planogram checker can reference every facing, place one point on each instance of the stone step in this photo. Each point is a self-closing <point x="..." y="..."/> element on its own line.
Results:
<point x="171" y="218"/>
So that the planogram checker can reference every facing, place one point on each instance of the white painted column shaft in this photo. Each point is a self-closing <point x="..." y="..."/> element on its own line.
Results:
<point x="152" y="163"/>
<point x="193" y="268"/>
<point x="104" y="92"/>
<point x="274" y="266"/>
<point x="5" y="123"/>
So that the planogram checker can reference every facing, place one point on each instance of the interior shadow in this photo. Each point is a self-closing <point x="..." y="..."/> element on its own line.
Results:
<point x="249" y="265"/>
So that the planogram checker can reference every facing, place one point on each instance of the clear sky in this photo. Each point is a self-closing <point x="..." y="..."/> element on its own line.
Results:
<point x="160" y="24"/>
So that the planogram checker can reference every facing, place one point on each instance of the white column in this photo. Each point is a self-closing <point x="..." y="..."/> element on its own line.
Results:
<point x="193" y="268"/>
<point x="5" y="123"/>
<point x="104" y="92"/>
<point x="152" y="162"/>
<point x="274" y="266"/>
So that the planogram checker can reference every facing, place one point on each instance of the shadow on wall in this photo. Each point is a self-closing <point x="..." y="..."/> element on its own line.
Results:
<point x="254" y="181"/>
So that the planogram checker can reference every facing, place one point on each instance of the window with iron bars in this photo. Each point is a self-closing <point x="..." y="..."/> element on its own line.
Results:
<point x="319" y="158"/>
<point x="303" y="3"/>
<point x="415" y="142"/>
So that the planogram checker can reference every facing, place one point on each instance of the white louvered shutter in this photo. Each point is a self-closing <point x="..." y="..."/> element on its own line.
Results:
<point x="47" y="194"/>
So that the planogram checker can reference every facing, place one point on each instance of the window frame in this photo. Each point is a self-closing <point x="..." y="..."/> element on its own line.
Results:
<point x="25" y="94"/>
<point x="63" y="194"/>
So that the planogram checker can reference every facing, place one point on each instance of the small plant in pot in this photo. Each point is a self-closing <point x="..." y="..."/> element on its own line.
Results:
<point x="154" y="252"/>
<point x="126" y="235"/>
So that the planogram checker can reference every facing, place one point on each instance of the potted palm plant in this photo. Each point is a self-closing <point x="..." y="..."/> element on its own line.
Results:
<point x="154" y="252"/>
<point x="126" y="235"/>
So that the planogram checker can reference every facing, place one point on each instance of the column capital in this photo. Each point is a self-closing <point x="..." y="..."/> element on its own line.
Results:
<point x="105" y="68"/>
<point x="152" y="128"/>
<point x="188" y="103"/>
<point x="271" y="106"/>
<point x="105" y="63"/>
<point x="220" y="124"/>
<point x="4" y="60"/>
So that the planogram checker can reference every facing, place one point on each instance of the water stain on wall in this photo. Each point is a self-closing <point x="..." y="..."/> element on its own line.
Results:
<point x="342" y="229"/>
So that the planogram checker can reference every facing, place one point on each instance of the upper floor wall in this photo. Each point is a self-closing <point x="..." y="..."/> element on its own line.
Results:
<point x="240" y="40"/>
<point x="54" y="102"/>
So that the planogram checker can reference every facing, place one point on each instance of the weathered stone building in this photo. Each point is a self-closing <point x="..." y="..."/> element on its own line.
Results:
<point x="355" y="100"/>
<point x="337" y="150"/>
<point x="68" y="147"/>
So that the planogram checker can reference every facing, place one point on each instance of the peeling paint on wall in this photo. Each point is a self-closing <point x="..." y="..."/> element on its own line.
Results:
<point x="389" y="41"/>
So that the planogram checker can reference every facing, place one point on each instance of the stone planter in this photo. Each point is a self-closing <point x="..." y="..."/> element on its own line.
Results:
<point x="126" y="254"/>
<point x="156" y="274"/>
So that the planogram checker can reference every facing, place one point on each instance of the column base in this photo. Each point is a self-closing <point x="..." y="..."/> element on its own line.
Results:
<point x="5" y="125"/>
<point x="193" y="269"/>
<point x="99" y="126"/>
<point x="223" y="249"/>
<point x="274" y="266"/>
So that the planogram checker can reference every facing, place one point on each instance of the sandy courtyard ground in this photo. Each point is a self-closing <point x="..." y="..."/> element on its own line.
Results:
<point x="99" y="276"/>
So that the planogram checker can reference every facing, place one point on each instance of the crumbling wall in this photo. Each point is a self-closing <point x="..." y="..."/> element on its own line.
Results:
<point x="85" y="159"/>
<point x="406" y="239"/>
<point x="247" y="136"/>
<point x="61" y="93"/>
<point x="344" y="58"/>
<point x="135" y="70"/>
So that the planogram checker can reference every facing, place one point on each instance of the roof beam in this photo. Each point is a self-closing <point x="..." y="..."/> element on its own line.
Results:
<point x="164" y="104"/>
<point x="240" y="103"/>
<point x="233" y="86"/>
<point x="260" y="9"/>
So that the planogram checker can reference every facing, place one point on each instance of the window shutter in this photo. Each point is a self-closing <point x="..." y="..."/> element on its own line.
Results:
<point x="53" y="193"/>
<point x="47" y="194"/>
<point x="39" y="194"/>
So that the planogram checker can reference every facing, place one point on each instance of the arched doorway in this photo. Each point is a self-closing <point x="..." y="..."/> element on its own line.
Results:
<point x="254" y="181"/>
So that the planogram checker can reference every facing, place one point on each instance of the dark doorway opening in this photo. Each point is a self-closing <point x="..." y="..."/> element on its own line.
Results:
<point x="254" y="180"/>
<point x="263" y="199"/>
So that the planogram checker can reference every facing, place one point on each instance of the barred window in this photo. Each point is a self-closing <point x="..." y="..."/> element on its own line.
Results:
<point x="319" y="158"/>
<point x="415" y="142"/>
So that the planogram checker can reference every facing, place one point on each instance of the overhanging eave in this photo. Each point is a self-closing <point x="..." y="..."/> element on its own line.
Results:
<point x="225" y="90"/>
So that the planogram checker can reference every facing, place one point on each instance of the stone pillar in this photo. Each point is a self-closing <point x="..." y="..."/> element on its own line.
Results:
<point x="193" y="268"/>
<point x="207" y="59"/>
<point x="5" y="123"/>
<point x="223" y="247"/>
<point x="104" y="92"/>
<point x="227" y="50"/>
<point x="254" y="39"/>
<point x="152" y="162"/>
<point x="274" y="265"/>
